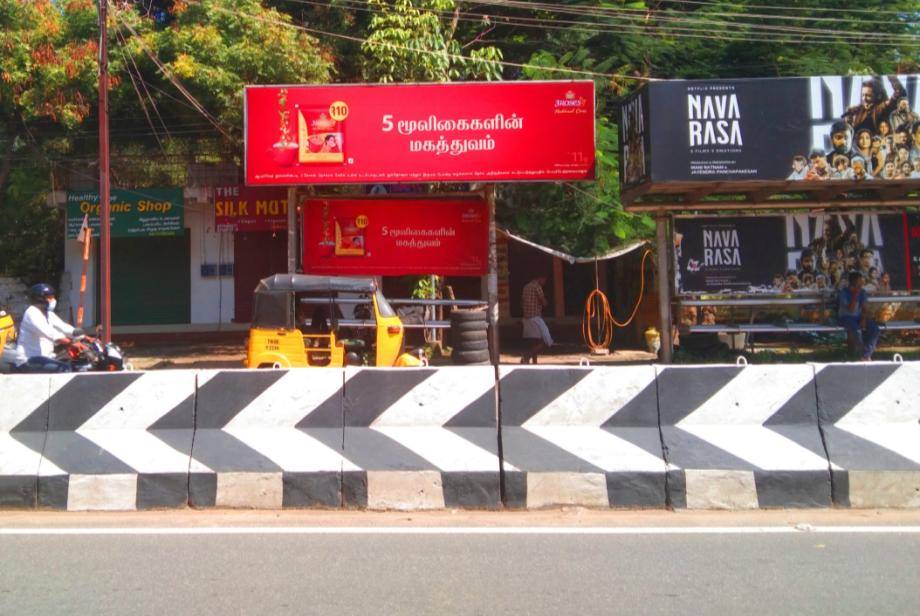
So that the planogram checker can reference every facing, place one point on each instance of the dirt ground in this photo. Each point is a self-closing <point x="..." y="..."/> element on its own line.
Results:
<point x="228" y="355"/>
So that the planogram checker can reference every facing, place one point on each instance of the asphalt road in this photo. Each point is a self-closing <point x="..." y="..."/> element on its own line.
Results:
<point x="327" y="571"/>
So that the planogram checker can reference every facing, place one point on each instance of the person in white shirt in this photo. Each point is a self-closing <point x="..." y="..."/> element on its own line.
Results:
<point x="39" y="331"/>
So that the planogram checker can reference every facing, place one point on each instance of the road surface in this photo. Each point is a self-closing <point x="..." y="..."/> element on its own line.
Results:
<point x="554" y="563"/>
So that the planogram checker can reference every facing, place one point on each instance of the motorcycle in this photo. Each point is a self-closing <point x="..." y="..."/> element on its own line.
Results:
<point x="82" y="354"/>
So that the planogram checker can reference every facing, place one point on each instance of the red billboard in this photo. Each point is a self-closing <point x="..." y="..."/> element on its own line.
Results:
<point x="240" y="208"/>
<point x="395" y="237"/>
<point x="416" y="133"/>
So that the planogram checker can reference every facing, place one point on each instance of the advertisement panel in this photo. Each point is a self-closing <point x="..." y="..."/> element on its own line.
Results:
<point x="134" y="212"/>
<point x="635" y="137"/>
<point x="241" y="208"/>
<point x="798" y="129"/>
<point x="791" y="253"/>
<point x="434" y="132"/>
<point x="395" y="237"/>
<point x="913" y="255"/>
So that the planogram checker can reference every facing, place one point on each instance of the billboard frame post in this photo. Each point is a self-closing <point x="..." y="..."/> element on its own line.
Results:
<point x="292" y="230"/>
<point x="664" y="287"/>
<point x="490" y="281"/>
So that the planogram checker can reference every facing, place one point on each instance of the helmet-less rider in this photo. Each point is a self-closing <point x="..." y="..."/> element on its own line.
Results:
<point x="39" y="331"/>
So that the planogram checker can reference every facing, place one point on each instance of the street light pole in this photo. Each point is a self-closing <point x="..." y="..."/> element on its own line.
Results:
<point x="105" y="271"/>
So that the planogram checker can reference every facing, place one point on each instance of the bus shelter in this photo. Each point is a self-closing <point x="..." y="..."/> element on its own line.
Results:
<point x="753" y="179"/>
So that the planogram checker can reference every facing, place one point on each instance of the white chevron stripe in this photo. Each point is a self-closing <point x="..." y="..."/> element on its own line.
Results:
<point x="267" y="423"/>
<point x="601" y="448"/>
<point x="732" y="418"/>
<point x="434" y="401"/>
<point x="572" y="421"/>
<point x="446" y="450"/>
<point x="889" y="416"/>
<point x="24" y="394"/>
<point x="120" y="427"/>
<point x="416" y="420"/>
<point x="596" y="398"/>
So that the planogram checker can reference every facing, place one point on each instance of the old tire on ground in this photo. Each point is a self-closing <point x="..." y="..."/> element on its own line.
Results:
<point x="470" y="357"/>
<point x="471" y="345"/>
<point x="468" y="315"/>
<point x="462" y="336"/>
<point x="469" y="326"/>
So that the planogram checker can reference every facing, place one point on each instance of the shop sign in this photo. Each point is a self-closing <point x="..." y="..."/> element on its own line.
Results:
<point x="395" y="237"/>
<point x="134" y="212"/>
<point x="241" y="208"/>
<point x="795" y="129"/>
<point x="791" y="253"/>
<point x="404" y="133"/>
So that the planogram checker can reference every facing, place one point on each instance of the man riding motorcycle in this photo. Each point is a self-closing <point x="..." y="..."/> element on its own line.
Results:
<point x="41" y="329"/>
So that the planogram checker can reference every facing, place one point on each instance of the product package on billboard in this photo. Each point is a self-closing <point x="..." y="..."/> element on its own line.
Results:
<point x="394" y="237"/>
<point x="813" y="129"/>
<point x="321" y="137"/>
<point x="391" y="134"/>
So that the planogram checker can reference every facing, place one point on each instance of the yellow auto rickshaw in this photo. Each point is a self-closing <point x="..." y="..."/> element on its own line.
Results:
<point x="323" y="321"/>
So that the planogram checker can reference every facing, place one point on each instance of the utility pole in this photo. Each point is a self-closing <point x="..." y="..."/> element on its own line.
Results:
<point x="105" y="235"/>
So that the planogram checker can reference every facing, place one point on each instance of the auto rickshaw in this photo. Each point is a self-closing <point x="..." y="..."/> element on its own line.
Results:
<point x="323" y="321"/>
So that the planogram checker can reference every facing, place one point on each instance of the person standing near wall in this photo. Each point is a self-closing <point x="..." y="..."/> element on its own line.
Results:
<point x="536" y="333"/>
<point x="862" y="332"/>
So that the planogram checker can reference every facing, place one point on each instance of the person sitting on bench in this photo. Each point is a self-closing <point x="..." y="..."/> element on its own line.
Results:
<point x="862" y="332"/>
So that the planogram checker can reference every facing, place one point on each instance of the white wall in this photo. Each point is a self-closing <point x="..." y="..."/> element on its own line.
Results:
<point x="211" y="297"/>
<point x="70" y="282"/>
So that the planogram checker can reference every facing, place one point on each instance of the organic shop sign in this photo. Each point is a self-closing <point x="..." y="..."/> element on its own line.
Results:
<point x="454" y="132"/>
<point x="239" y="208"/>
<point x="134" y="212"/>
<point x="395" y="237"/>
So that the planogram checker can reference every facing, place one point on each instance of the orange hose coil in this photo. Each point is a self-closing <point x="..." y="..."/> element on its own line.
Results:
<point x="598" y="316"/>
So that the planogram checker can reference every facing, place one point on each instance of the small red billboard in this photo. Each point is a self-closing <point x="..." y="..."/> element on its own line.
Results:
<point x="239" y="208"/>
<point x="415" y="133"/>
<point x="395" y="237"/>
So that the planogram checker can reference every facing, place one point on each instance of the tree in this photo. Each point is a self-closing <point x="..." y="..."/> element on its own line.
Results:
<point x="176" y="92"/>
<point x="409" y="40"/>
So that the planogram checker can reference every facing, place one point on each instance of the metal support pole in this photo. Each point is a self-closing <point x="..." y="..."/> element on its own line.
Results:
<point x="491" y="281"/>
<point x="105" y="233"/>
<point x="664" y="292"/>
<point x="292" y="230"/>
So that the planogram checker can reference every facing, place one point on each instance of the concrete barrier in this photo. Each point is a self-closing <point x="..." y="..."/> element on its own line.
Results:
<point x="870" y="418"/>
<point x="268" y="439"/>
<point x="581" y="436"/>
<point x="23" y="424"/>
<point x="118" y="441"/>
<point x="743" y="437"/>
<point x="421" y="438"/>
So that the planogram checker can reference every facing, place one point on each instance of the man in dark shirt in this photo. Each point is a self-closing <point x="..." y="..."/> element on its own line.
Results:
<point x="874" y="105"/>
<point x="851" y="314"/>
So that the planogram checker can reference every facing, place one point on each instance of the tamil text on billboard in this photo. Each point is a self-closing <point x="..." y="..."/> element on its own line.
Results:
<point x="438" y="132"/>
<point x="395" y="237"/>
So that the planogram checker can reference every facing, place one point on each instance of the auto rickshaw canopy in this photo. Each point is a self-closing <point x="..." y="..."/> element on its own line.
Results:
<point x="273" y="304"/>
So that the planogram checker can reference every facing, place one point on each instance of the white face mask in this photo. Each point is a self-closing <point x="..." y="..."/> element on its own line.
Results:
<point x="52" y="303"/>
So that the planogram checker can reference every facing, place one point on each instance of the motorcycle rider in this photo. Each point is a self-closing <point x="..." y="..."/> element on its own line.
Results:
<point x="39" y="331"/>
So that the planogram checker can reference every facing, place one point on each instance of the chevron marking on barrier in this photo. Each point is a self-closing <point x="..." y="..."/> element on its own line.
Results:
<point x="118" y="440"/>
<point x="582" y="436"/>
<point x="268" y="439"/>
<point x="743" y="436"/>
<point x="871" y="421"/>
<point x="429" y="432"/>
<point x="23" y="422"/>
